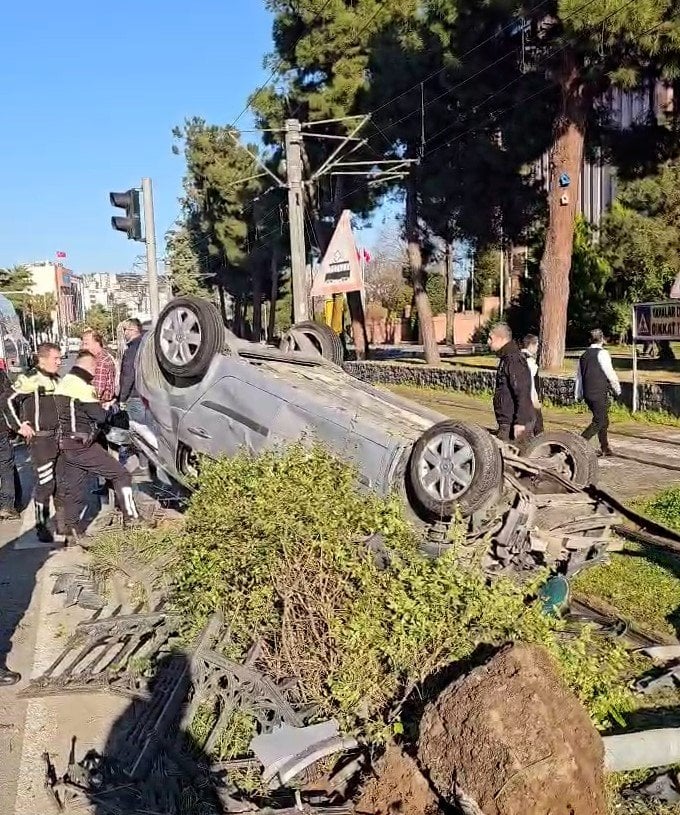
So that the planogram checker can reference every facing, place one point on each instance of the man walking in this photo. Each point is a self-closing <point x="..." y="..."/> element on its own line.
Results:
<point x="29" y="409"/>
<point x="128" y="397"/>
<point x="530" y="352"/>
<point x="594" y="376"/>
<point x="81" y="418"/>
<point x="512" y="397"/>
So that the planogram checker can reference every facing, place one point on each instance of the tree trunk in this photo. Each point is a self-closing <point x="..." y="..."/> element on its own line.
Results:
<point x="415" y="257"/>
<point x="566" y="157"/>
<point x="274" y="296"/>
<point x="257" y="300"/>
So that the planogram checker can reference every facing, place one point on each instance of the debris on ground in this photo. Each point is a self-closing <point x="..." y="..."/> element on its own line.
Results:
<point x="514" y="739"/>
<point x="298" y="635"/>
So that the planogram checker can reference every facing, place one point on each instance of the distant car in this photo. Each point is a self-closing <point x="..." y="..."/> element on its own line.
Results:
<point x="208" y="392"/>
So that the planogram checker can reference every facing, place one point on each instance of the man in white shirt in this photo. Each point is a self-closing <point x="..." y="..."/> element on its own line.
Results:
<point x="594" y="376"/>
<point x="530" y="352"/>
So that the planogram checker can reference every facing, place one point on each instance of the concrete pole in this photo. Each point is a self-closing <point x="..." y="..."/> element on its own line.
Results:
<point x="150" y="238"/>
<point x="296" y="223"/>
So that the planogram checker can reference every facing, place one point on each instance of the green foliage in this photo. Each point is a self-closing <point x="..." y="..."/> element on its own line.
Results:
<point x="481" y="334"/>
<point x="184" y="264"/>
<point x="100" y="319"/>
<point x="664" y="508"/>
<point x="275" y="543"/>
<point x="644" y="586"/>
<point x="436" y="291"/>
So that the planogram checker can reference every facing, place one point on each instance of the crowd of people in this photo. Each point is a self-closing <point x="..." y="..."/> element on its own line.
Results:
<point x="64" y="421"/>
<point x="516" y="400"/>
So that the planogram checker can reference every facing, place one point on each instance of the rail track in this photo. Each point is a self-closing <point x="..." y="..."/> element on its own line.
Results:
<point x="659" y="463"/>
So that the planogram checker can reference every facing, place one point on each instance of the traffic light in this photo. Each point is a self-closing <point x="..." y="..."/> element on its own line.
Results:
<point x="131" y="224"/>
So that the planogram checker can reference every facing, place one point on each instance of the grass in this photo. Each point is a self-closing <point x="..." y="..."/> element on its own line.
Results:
<point x="643" y="586"/>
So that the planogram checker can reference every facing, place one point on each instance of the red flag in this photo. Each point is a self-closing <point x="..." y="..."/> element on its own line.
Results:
<point x="61" y="254"/>
<point x="367" y="256"/>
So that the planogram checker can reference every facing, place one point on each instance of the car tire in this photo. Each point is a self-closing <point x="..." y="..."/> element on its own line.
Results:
<point x="440" y="490"/>
<point x="188" y="333"/>
<point x="322" y="337"/>
<point x="573" y="457"/>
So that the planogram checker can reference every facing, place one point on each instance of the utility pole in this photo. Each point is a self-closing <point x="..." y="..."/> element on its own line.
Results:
<point x="150" y="239"/>
<point x="450" y="296"/>
<point x="296" y="220"/>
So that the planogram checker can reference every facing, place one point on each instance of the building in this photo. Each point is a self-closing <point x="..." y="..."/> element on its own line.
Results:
<point x="129" y="291"/>
<point x="597" y="183"/>
<point x="55" y="280"/>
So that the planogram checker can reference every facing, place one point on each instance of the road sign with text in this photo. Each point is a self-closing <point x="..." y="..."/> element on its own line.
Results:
<point x="657" y="321"/>
<point x="340" y="269"/>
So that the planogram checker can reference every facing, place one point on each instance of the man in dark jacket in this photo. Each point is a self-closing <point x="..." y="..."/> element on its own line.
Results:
<point x="512" y="397"/>
<point x="128" y="397"/>
<point x="81" y="418"/>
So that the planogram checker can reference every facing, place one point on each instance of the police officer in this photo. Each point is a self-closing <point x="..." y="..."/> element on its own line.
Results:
<point x="81" y="418"/>
<point x="29" y="409"/>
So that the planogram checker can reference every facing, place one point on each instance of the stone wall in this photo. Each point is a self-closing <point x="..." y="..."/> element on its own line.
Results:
<point x="657" y="396"/>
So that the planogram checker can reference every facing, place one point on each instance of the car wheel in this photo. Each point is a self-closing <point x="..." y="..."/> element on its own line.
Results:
<point x="322" y="337"/>
<point x="187" y="462"/>
<point x="565" y="453"/>
<point x="188" y="334"/>
<point x="455" y="466"/>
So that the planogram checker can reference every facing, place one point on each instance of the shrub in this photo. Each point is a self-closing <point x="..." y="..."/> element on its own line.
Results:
<point x="277" y="543"/>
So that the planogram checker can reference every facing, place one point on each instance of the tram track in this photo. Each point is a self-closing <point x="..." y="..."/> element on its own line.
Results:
<point x="659" y="463"/>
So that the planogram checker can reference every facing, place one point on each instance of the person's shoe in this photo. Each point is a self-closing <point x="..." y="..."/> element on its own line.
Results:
<point x="9" y="515"/>
<point x="8" y="677"/>
<point x="606" y="453"/>
<point x="43" y="534"/>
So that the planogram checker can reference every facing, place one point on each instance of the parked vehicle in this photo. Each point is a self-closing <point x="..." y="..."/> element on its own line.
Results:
<point x="208" y="392"/>
<point x="73" y="345"/>
<point x="15" y="350"/>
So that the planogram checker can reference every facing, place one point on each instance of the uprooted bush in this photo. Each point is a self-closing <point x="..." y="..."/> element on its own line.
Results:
<point x="278" y="544"/>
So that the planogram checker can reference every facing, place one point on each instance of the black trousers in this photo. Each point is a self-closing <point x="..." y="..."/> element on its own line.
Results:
<point x="538" y="425"/>
<point x="7" y="470"/>
<point x="44" y="451"/>
<point x="74" y="468"/>
<point x="599" y="407"/>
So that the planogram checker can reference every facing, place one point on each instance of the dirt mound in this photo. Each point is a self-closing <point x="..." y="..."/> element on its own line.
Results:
<point x="515" y="740"/>
<point x="398" y="787"/>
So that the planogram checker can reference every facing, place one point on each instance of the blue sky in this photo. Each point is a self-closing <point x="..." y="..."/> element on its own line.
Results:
<point x="85" y="112"/>
<point x="86" y="109"/>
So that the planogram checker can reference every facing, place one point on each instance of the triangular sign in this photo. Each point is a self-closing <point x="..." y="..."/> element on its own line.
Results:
<point x="642" y="327"/>
<point x="675" y="289"/>
<point x="340" y="269"/>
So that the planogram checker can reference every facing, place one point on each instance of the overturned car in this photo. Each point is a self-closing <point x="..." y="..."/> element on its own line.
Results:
<point x="207" y="392"/>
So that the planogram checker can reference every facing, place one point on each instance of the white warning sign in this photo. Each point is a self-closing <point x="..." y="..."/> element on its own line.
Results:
<point x="340" y="269"/>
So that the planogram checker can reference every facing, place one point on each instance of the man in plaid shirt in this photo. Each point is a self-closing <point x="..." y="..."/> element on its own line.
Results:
<point x="104" y="380"/>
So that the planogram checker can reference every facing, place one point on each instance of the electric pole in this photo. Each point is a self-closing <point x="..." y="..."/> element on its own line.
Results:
<point x="150" y="239"/>
<point x="296" y="220"/>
